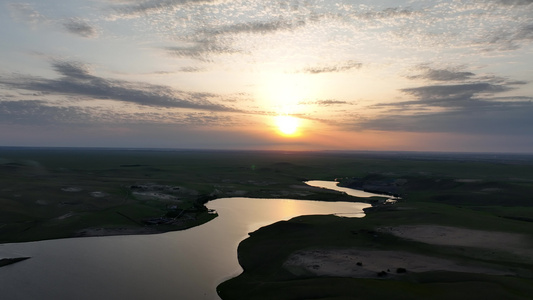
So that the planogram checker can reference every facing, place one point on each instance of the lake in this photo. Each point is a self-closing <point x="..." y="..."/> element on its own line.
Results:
<point x="185" y="264"/>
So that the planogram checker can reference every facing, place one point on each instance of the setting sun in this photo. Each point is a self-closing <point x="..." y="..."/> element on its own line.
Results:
<point x="287" y="125"/>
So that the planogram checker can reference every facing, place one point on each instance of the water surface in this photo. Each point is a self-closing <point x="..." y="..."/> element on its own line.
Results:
<point x="185" y="264"/>
<point x="332" y="185"/>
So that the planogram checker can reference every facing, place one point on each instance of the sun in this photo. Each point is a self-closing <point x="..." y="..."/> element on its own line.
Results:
<point x="287" y="125"/>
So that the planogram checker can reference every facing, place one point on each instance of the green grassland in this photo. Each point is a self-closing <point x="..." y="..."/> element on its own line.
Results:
<point x="493" y="195"/>
<point x="61" y="193"/>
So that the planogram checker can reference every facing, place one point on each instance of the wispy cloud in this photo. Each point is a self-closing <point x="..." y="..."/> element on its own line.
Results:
<point x="80" y="27"/>
<point x="455" y="92"/>
<point x="333" y="68"/>
<point x="258" y="27"/>
<point x="499" y="118"/>
<point x="201" y="50"/>
<point x="442" y="75"/>
<point x="207" y="42"/>
<point x="509" y="38"/>
<point x="472" y="107"/>
<point x="515" y="2"/>
<point x="144" y="7"/>
<point x="25" y="13"/>
<point x="37" y="112"/>
<point x="328" y="102"/>
<point x="77" y="80"/>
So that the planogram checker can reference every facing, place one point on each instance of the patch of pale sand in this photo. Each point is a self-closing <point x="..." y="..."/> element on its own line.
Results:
<point x="154" y="195"/>
<point x="491" y="190"/>
<point x="465" y="180"/>
<point x="361" y="263"/>
<point x="67" y="215"/>
<point x="454" y="236"/>
<point x="98" y="194"/>
<point x="71" y="189"/>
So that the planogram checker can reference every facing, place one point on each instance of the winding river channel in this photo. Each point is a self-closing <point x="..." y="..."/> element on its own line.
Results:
<point x="185" y="264"/>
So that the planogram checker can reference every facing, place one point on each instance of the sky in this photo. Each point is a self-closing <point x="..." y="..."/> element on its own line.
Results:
<point x="268" y="74"/>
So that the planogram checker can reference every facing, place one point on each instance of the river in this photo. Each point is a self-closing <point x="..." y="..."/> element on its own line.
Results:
<point x="185" y="264"/>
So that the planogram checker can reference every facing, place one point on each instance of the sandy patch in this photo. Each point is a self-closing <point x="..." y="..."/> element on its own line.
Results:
<point x="465" y="180"/>
<point x="71" y="189"/>
<point x="360" y="263"/>
<point x="98" y="194"/>
<point x="366" y="263"/>
<point x="454" y="236"/>
<point x="67" y="215"/>
<point x="154" y="195"/>
<point x="491" y="190"/>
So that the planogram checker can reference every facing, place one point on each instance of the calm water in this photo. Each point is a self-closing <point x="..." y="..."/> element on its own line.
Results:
<point x="176" y="265"/>
<point x="332" y="185"/>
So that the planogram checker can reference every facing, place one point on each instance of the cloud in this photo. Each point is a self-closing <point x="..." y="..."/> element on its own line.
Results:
<point x="500" y="119"/>
<point x="200" y="50"/>
<point x="255" y="27"/>
<point x="515" y="2"/>
<point x="455" y="92"/>
<point x="509" y="38"/>
<point x="388" y="13"/>
<point x="36" y="112"/>
<point x="77" y="80"/>
<point x="469" y="93"/>
<point x="24" y="12"/>
<point x="80" y="27"/>
<point x="442" y="75"/>
<point x="206" y="42"/>
<point x="72" y="69"/>
<point x="139" y="8"/>
<point x="340" y="67"/>
<point x="191" y="69"/>
<point x="469" y="107"/>
<point x="328" y="102"/>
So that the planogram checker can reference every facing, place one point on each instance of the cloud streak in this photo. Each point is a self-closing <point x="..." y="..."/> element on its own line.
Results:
<point x="465" y="108"/>
<point x="333" y="68"/>
<point x="442" y="75"/>
<point x="139" y="8"/>
<point x="80" y="28"/>
<point x="78" y="81"/>
<point x="37" y="113"/>
<point x="25" y="13"/>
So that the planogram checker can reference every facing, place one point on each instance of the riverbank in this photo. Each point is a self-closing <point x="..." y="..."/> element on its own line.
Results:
<point x="448" y="238"/>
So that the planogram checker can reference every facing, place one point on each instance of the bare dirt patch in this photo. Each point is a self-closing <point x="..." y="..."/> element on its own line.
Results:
<point x="71" y="189"/>
<point x="518" y="244"/>
<point x="98" y="194"/>
<point x="361" y="263"/>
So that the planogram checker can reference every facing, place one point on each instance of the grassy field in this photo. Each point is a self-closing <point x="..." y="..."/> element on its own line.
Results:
<point x="61" y="193"/>
<point x="58" y="193"/>
<point x="460" y="192"/>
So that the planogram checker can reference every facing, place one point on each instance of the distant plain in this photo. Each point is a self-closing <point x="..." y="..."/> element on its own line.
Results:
<point x="61" y="193"/>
